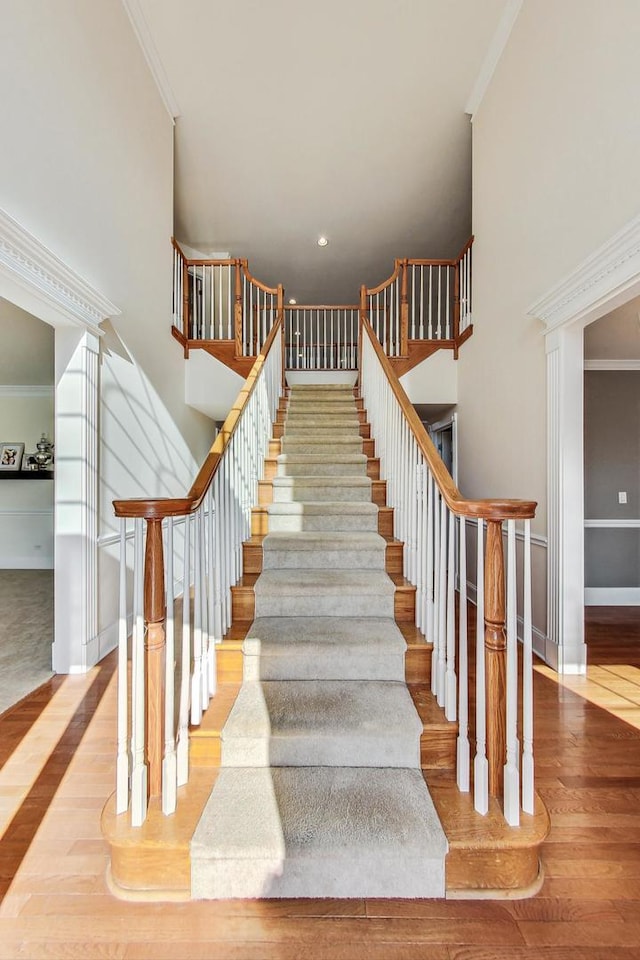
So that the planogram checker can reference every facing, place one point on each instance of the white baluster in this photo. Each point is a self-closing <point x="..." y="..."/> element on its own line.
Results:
<point x="169" y="762"/>
<point x="196" y="677"/>
<point x="429" y="598"/>
<point x="511" y="775"/>
<point x="436" y="589"/>
<point x="185" y="659"/>
<point x="204" y="611"/>
<point x="430" y="326"/>
<point x="122" y="762"/>
<point x="448" y="296"/>
<point x="528" y="793"/>
<point x="442" y="606"/>
<point x="481" y="765"/>
<point x="462" y="765"/>
<point x="139" y="769"/>
<point x="213" y="637"/>
<point x="450" y="681"/>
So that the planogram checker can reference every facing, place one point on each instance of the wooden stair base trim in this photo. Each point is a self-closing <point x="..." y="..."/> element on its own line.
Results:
<point x="155" y="856"/>
<point x="485" y="854"/>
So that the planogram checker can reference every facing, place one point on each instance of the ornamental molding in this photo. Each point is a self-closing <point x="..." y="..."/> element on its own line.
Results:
<point x="151" y="55"/>
<point x="20" y="391"/>
<point x="613" y="269"/>
<point x="492" y="57"/>
<point x="612" y="364"/>
<point x="26" y="261"/>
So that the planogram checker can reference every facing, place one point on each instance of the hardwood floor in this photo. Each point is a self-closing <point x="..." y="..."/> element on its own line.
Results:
<point x="57" y="750"/>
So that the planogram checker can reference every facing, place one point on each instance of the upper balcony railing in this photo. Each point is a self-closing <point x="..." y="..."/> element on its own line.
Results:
<point x="221" y="300"/>
<point x="422" y="300"/>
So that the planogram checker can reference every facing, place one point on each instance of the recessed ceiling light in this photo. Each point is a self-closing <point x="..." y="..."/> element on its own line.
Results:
<point x="293" y="301"/>
<point x="322" y="241"/>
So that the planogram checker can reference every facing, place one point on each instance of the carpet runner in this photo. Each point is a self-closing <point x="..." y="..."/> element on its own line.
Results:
<point x="320" y="792"/>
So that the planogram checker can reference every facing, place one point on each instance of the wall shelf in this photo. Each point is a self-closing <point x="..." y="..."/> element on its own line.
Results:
<point x="26" y="474"/>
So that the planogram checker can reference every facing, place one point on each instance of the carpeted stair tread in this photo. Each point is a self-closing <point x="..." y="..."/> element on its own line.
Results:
<point x="318" y="593"/>
<point x="318" y="832"/>
<point x="323" y="550"/>
<point x="311" y="444"/>
<point x="327" y="515"/>
<point x="322" y="723"/>
<point x="324" y="648"/>
<point x="328" y="464"/>
<point x="313" y="488"/>
<point x="320" y="792"/>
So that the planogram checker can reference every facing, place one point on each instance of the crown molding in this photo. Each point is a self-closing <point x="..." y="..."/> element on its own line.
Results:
<point x="20" y="391"/>
<point x="27" y="262"/>
<point x="151" y="55"/>
<point x="493" y="54"/>
<point x="612" y="364"/>
<point x="608" y="273"/>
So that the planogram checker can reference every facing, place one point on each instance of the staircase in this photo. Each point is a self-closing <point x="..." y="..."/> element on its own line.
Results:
<point x="320" y="792"/>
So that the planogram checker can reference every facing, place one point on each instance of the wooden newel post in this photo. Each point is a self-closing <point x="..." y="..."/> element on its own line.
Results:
<point x="154" y="648"/>
<point x="237" y="309"/>
<point x="495" y="646"/>
<point x="404" y="311"/>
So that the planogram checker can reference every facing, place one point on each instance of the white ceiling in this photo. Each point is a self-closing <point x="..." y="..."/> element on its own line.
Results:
<point x="298" y="118"/>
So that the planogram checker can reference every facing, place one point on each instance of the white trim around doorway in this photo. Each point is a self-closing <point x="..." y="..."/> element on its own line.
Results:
<point x="605" y="280"/>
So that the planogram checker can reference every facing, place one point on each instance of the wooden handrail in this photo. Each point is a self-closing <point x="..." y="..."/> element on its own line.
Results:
<point x="466" y="247"/>
<point x="257" y="283"/>
<point x="486" y="509"/>
<point x="386" y="283"/>
<point x="157" y="509"/>
<point x="321" y="306"/>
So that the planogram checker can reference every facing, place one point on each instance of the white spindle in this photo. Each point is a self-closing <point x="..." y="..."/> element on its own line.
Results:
<point x="442" y="606"/>
<point x="463" y="671"/>
<point x="481" y="764"/>
<point x="528" y="799"/>
<point x="169" y="762"/>
<point x="450" y="680"/>
<point x="122" y="762"/>
<point x="511" y="776"/>
<point x="185" y="660"/>
<point x="213" y="636"/>
<point x="139" y="768"/>
<point x="430" y="325"/>
<point x="448" y="303"/>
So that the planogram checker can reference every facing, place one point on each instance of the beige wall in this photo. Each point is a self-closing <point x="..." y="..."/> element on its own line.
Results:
<point x="556" y="154"/>
<point x="89" y="172"/>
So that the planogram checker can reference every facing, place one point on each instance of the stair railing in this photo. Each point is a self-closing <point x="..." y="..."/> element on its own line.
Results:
<point x="421" y="300"/>
<point x="437" y="525"/>
<point x="179" y="558"/>
<point x="221" y="300"/>
<point x="321" y="337"/>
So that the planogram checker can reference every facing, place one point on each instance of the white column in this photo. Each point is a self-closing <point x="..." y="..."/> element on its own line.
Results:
<point x="566" y="649"/>
<point x="76" y="647"/>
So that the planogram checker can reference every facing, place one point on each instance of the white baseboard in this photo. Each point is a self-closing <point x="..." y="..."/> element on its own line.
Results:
<point x="26" y="563"/>
<point x="612" y="596"/>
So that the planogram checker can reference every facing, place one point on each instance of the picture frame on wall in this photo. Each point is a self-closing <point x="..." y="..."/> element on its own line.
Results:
<point x="11" y="455"/>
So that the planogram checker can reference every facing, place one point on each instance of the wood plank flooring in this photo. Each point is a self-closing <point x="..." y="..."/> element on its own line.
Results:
<point x="56" y="756"/>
